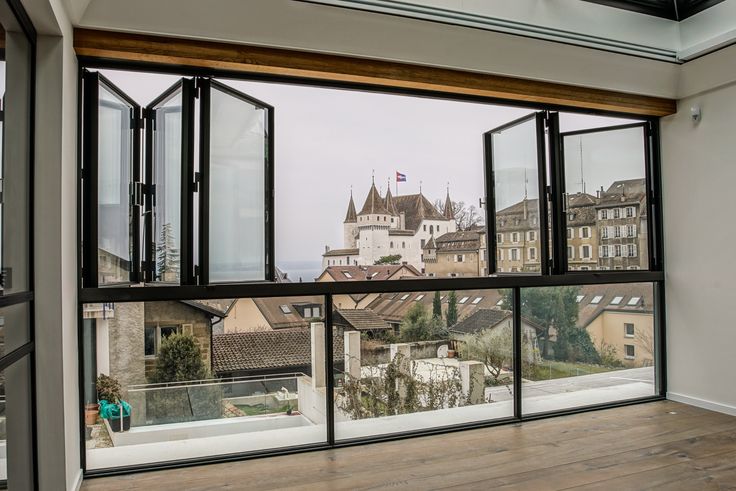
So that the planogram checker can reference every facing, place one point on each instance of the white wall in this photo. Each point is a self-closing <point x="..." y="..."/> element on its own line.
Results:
<point x="699" y="172"/>
<point x="55" y="250"/>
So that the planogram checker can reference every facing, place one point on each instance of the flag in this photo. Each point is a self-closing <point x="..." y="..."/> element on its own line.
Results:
<point x="400" y="177"/>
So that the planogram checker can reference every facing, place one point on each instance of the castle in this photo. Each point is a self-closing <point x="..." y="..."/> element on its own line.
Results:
<point x="388" y="226"/>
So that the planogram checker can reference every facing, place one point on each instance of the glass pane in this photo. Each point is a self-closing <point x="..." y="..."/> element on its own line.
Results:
<point x="237" y="216"/>
<point x="16" y="457"/>
<point x="167" y="167"/>
<point x="516" y="189"/>
<point x="15" y="328"/>
<point x="224" y="376"/>
<point x="421" y="360"/>
<point x="596" y="345"/>
<point x="606" y="204"/>
<point x="15" y="91"/>
<point x="114" y="181"/>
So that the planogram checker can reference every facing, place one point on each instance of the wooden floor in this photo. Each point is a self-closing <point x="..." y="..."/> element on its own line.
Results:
<point x="661" y="445"/>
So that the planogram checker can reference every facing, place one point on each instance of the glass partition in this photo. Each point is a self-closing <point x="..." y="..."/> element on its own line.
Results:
<point x="238" y="163"/>
<point x="516" y="153"/>
<point x="185" y="379"/>
<point x="596" y="345"/>
<point x="420" y="360"/>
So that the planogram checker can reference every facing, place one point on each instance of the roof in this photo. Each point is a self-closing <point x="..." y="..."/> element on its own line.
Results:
<point x="468" y="240"/>
<point x="431" y="244"/>
<point x="389" y="202"/>
<point x="531" y="204"/>
<point x="479" y="320"/>
<point x="391" y="308"/>
<point x="448" y="212"/>
<point x="581" y="199"/>
<point x="270" y="308"/>
<point x="624" y="191"/>
<point x="350" y="216"/>
<point x="218" y="308"/>
<point x="373" y="203"/>
<point x="359" y="319"/>
<point x="266" y="349"/>
<point x="376" y="272"/>
<point x="588" y="311"/>
<point x="341" y="252"/>
<point x="416" y="208"/>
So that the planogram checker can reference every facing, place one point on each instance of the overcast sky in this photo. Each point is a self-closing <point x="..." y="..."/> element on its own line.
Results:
<point x="328" y="140"/>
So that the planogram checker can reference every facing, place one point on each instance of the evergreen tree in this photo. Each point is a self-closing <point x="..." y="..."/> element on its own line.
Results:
<point x="167" y="255"/>
<point x="451" y="315"/>
<point x="437" y="306"/>
<point x="179" y="360"/>
<point x="417" y="325"/>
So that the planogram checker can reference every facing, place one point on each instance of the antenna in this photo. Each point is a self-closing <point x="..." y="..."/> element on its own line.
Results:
<point x="526" y="182"/>
<point x="582" y="179"/>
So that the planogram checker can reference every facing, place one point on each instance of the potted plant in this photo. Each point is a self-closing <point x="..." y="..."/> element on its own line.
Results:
<point x="91" y="410"/>
<point x="112" y="407"/>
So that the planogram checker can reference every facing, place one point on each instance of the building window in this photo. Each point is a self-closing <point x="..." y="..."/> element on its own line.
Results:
<point x="431" y="229"/>
<point x="459" y="258"/>
<point x="630" y="351"/>
<point x="616" y="300"/>
<point x="631" y="250"/>
<point x="604" y="232"/>
<point x="463" y="300"/>
<point x="532" y="253"/>
<point x="629" y="212"/>
<point x="425" y="227"/>
<point x="515" y="237"/>
<point x="585" y="252"/>
<point x="604" y="214"/>
<point x="532" y="236"/>
<point x="616" y="232"/>
<point x="629" y="330"/>
<point x="604" y="251"/>
<point x="154" y="335"/>
<point x="630" y="230"/>
<point x="499" y="238"/>
<point x="419" y="297"/>
<point x="391" y="244"/>
<point x="514" y="254"/>
<point x="584" y="232"/>
<point x="569" y="233"/>
<point x="423" y="242"/>
<point x="596" y="299"/>
<point x="617" y="250"/>
<point x="570" y="252"/>
<point x="579" y="298"/>
<point x="404" y="297"/>
<point x="403" y="245"/>
<point x="633" y="301"/>
<point x="617" y="213"/>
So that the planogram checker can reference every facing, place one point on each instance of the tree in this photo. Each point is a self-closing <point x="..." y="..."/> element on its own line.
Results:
<point x="494" y="348"/>
<point x="465" y="216"/>
<point x="556" y="308"/>
<point x="167" y="255"/>
<point x="179" y="360"/>
<point x="451" y="315"/>
<point x="437" y="306"/>
<point x="417" y="325"/>
<point x="391" y="259"/>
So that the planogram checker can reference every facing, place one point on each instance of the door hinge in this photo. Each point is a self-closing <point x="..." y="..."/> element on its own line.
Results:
<point x="197" y="180"/>
<point x="138" y="194"/>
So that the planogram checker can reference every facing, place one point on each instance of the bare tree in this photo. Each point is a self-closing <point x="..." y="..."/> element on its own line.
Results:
<point x="466" y="216"/>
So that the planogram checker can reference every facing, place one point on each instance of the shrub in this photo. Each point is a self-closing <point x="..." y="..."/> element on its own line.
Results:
<point x="108" y="388"/>
<point x="179" y="360"/>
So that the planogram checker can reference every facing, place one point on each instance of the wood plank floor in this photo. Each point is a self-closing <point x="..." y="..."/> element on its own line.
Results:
<point x="655" y="446"/>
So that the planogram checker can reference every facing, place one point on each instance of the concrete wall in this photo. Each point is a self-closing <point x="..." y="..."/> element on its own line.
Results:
<point x="699" y="172"/>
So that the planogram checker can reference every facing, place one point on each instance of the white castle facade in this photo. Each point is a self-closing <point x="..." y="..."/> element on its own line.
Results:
<point x="389" y="226"/>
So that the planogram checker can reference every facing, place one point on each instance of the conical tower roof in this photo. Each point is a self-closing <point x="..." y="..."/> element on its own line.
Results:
<point x="389" y="203"/>
<point x="373" y="203"/>
<point x="351" y="216"/>
<point x="449" y="212"/>
<point x="431" y="244"/>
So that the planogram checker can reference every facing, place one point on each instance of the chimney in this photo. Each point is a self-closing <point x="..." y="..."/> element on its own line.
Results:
<point x="526" y="209"/>
<point x="402" y="220"/>
<point x="327" y="249"/>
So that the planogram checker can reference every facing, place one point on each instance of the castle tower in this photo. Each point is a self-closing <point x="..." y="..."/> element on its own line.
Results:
<point x="374" y="221"/>
<point x="391" y="207"/>
<point x="449" y="212"/>
<point x="350" y="226"/>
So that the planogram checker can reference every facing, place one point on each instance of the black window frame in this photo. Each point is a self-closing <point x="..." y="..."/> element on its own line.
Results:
<point x="552" y="274"/>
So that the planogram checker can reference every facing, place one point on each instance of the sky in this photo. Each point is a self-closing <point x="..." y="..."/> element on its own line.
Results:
<point x="328" y="141"/>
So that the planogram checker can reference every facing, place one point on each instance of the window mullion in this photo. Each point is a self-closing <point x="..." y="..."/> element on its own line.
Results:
<point x="556" y="217"/>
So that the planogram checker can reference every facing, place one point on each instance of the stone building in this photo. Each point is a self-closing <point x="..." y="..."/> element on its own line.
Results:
<point x="582" y="233"/>
<point x="457" y="254"/>
<point x="517" y="238"/>
<point x="388" y="226"/>
<point x="621" y="213"/>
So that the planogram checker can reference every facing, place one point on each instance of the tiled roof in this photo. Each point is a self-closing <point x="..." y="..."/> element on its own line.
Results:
<point x="431" y="244"/>
<point x="391" y="307"/>
<point x="373" y="203"/>
<point x="624" y="191"/>
<point x="532" y="205"/>
<point x="479" y="320"/>
<point x="350" y="216"/>
<point x="218" y="308"/>
<point x="359" y="319"/>
<point x="266" y="349"/>
<point x="416" y="208"/>
<point x="361" y="273"/>
<point x="448" y="211"/>
<point x="270" y="308"/>
<point x="468" y="240"/>
<point x="389" y="203"/>
<point x="589" y="311"/>
<point x="341" y="252"/>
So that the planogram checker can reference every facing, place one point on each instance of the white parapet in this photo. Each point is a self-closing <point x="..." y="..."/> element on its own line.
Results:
<point x="318" y="354"/>
<point x="472" y="381"/>
<point x="352" y="354"/>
